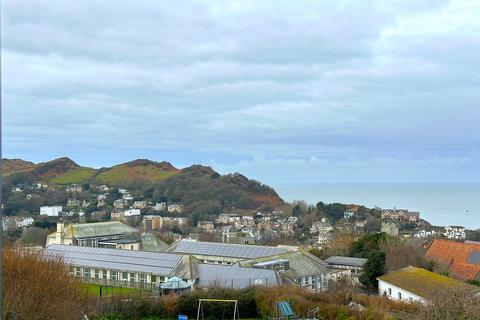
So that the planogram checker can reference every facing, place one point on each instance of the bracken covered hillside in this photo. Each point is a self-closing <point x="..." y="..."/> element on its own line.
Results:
<point x="194" y="186"/>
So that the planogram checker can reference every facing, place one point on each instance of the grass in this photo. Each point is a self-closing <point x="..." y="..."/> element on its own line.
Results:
<point x="122" y="173"/>
<point x="94" y="289"/>
<point x="78" y="175"/>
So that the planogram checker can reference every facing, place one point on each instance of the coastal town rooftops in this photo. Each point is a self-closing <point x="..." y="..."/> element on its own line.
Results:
<point x="461" y="258"/>
<point x="194" y="247"/>
<point x="421" y="282"/>
<point x="97" y="229"/>
<point x="347" y="261"/>
<point x="163" y="264"/>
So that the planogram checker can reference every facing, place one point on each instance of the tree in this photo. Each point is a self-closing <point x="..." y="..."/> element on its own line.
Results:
<point x="296" y="210"/>
<point x="374" y="267"/>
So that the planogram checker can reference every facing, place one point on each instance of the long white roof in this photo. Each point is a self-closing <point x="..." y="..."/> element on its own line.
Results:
<point x="193" y="247"/>
<point x="156" y="263"/>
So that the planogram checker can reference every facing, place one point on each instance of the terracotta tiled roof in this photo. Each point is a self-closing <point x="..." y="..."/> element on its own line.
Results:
<point x="454" y="255"/>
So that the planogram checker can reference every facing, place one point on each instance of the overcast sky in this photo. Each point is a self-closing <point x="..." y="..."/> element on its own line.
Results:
<point x="281" y="91"/>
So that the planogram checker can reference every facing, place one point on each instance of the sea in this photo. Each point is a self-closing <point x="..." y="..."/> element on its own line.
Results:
<point x="441" y="204"/>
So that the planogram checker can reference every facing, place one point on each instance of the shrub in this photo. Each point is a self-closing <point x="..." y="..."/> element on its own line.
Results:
<point x="39" y="288"/>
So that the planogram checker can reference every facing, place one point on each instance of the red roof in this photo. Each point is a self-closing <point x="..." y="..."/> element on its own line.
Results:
<point x="454" y="255"/>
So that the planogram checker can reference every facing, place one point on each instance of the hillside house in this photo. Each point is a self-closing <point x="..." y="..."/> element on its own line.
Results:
<point x="455" y="232"/>
<point x="460" y="259"/>
<point x="160" y="206"/>
<point x="74" y="188"/>
<point x="425" y="234"/>
<point x="348" y="214"/>
<point x="127" y="196"/>
<point x="132" y="212"/>
<point x="205" y="226"/>
<point x="73" y="203"/>
<point x="175" y="208"/>
<point x="51" y="211"/>
<point x="401" y="215"/>
<point x="412" y="284"/>
<point x="13" y="222"/>
<point x="120" y="203"/>
<point x="140" y="204"/>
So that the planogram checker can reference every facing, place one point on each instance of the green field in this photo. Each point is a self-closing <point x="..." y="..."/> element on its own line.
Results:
<point x="123" y="173"/>
<point x="78" y="175"/>
<point x="94" y="289"/>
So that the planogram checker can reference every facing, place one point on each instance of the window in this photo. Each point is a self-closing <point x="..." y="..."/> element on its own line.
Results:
<point x="153" y="278"/>
<point x="141" y="277"/>
<point x="72" y="270"/>
<point x="104" y="274"/>
<point x="113" y="275"/>
<point x="131" y="247"/>
<point x="86" y="273"/>
<point x="125" y="276"/>
<point x="400" y="296"/>
<point x="97" y="274"/>
<point x="132" y="277"/>
<point x="78" y="271"/>
<point x="389" y="291"/>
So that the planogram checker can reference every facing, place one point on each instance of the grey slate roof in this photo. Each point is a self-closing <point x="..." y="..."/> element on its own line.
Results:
<point x="347" y="261"/>
<point x="88" y="230"/>
<point x="151" y="243"/>
<point x="234" y="276"/>
<point x="225" y="249"/>
<point x="474" y="258"/>
<point x="163" y="264"/>
<point x="301" y="264"/>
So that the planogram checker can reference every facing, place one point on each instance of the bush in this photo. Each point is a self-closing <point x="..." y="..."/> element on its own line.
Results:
<point x="38" y="288"/>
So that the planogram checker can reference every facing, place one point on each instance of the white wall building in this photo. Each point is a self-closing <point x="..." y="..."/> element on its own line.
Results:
<point x="131" y="212"/>
<point x="455" y="232"/>
<point x="51" y="211"/>
<point x="416" y="284"/>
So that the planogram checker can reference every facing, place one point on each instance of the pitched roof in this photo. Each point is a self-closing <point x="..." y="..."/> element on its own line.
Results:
<point x="455" y="256"/>
<point x="301" y="264"/>
<point x="421" y="282"/>
<point x="347" y="261"/>
<point x="224" y="249"/>
<point x="163" y="264"/>
<point x="234" y="276"/>
<point x="96" y="229"/>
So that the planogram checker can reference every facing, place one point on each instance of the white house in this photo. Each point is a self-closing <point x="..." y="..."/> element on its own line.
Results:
<point x="348" y="214"/>
<point x="415" y="284"/>
<point x="425" y="234"/>
<point x="131" y="212"/>
<point x="455" y="232"/>
<point x="51" y="211"/>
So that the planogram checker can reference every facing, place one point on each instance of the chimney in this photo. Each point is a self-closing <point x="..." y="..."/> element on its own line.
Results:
<point x="59" y="234"/>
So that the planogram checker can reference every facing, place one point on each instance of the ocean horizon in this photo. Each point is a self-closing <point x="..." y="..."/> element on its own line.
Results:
<point x="441" y="204"/>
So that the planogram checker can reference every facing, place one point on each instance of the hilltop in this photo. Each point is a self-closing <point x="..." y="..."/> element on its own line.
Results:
<point x="188" y="185"/>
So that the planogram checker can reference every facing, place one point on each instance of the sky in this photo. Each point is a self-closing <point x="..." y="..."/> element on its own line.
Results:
<point x="281" y="91"/>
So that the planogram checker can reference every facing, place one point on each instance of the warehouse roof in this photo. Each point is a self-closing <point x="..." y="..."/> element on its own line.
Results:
<point x="163" y="264"/>
<point x="347" y="261"/>
<point x="234" y="276"/>
<point x="88" y="230"/>
<point x="224" y="249"/>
